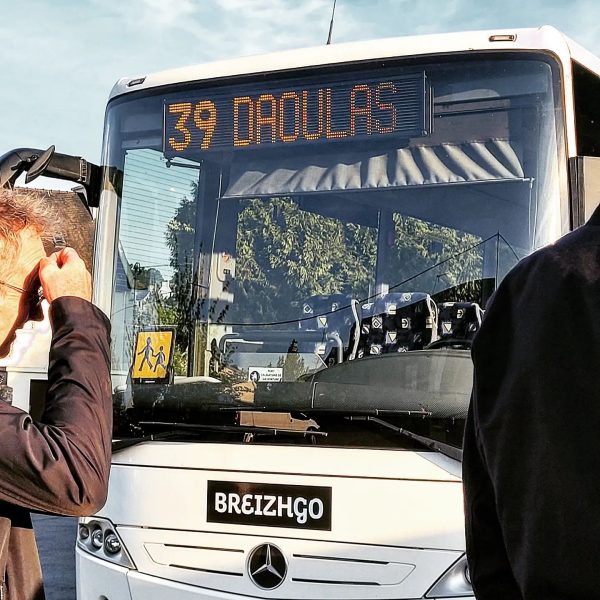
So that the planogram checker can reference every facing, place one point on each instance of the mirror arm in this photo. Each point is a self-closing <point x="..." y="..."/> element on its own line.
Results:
<point x="51" y="164"/>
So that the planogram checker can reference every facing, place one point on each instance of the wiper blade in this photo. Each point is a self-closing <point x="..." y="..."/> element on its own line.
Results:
<point x="308" y="411"/>
<point x="445" y="449"/>
<point x="176" y="429"/>
<point x="228" y="428"/>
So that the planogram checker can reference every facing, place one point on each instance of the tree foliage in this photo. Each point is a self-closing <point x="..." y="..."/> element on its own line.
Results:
<point x="429" y="258"/>
<point x="285" y="255"/>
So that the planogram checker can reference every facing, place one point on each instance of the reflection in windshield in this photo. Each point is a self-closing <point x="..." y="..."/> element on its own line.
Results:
<point x="348" y="278"/>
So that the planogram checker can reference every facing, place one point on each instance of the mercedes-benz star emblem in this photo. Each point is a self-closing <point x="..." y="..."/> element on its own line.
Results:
<point x="267" y="566"/>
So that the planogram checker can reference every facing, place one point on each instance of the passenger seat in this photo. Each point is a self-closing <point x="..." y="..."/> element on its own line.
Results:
<point x="458" y="323"/>
<point x="397" y="322"/>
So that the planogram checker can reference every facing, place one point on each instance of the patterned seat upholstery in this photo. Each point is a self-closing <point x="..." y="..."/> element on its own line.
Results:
<point x="458" y="323"/>
<point x="397" y="322"/>
<point x="329" y="314"/>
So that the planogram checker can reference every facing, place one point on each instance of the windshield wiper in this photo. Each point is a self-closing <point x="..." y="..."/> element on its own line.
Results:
<point x="445" y="449"/>
<point x="176" y="429"/>
<point x="306" y="412"/>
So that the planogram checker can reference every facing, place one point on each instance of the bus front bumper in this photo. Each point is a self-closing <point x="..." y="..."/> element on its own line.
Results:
<point x="101" y="579"/>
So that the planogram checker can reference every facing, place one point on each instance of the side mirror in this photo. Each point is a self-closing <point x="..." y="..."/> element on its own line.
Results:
<point x="584" y="175"/>
<point x="39" y="166"/>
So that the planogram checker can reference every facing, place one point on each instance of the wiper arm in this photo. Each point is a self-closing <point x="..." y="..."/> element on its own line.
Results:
<point x="129" y="442"/>
<point x="445" y="449"/>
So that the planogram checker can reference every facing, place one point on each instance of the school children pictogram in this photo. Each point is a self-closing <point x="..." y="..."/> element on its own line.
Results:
<point x="153" y="355"/>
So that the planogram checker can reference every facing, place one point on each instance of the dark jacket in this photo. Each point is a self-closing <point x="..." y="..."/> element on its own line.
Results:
<point x="59" y="465"/>
<point x="531" y="460"/>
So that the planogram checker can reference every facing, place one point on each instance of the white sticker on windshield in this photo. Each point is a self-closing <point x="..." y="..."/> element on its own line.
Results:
<point x="265" y="374"/>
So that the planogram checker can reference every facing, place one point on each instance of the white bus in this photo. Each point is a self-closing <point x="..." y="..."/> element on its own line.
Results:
<point x="296" y="251"/>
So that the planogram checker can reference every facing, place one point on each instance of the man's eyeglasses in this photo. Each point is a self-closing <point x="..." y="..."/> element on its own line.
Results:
<point x="34" y="299"/>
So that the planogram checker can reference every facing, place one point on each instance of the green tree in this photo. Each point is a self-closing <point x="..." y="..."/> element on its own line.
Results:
<point x="431" y="257"/>
<point x="286" y="254"/>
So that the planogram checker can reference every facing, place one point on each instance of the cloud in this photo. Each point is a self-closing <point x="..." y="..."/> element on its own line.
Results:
<point x="388" y="18"/>
<point x="61" y="58"/>
<point x="223" y="28"/>
<point x="167" y="12"/>
<point x="276" y="24"/>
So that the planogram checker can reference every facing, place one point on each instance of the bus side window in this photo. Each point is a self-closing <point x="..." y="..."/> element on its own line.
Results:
<point x="585" y="167"/>
<point x="586" y="91"/>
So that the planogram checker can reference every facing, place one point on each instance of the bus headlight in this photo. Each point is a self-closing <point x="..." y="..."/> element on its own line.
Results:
<point x="99" y="537"/>
<point x="454" y="583"/>
<point x="112" y="544"/>
<point x="84" y="532"/>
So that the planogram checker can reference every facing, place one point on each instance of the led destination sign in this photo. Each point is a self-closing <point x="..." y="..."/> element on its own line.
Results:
<point x="287" y="116"/>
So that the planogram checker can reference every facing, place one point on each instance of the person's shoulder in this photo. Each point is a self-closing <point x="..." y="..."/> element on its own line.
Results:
<point x="572" y="261"/>
<point x="576" y="252"/>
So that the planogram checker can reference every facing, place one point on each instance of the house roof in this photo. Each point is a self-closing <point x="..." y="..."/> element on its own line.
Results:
<point x="71" y="224"/>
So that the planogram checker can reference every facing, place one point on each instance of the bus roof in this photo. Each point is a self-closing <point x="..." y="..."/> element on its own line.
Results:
<point x="542" y="38"/>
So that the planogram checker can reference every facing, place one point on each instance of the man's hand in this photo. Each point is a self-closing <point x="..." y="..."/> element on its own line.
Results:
<point x="64" y="274"/>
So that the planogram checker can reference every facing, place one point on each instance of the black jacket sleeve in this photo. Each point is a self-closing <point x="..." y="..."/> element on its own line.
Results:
<point x="61" y="464"/>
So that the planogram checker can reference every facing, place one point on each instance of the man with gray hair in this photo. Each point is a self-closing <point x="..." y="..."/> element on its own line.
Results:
<point x="59" y="465"/>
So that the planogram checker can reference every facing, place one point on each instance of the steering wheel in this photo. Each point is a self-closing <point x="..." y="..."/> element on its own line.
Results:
<point x="450" y="343"/>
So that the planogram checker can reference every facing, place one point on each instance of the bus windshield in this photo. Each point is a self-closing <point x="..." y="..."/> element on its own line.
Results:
<point x="308" y="250"/>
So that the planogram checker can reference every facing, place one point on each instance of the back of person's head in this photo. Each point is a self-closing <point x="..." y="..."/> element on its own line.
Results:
<point x="19" y="209"/>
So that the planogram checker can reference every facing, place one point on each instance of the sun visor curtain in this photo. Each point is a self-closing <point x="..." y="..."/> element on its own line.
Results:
<point x="489" y="160"/>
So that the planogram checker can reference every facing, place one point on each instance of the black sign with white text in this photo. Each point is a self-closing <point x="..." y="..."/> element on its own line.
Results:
<point x="270" y="505"/>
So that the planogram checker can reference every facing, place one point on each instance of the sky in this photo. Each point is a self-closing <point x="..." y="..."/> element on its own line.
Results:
<point x="60" y="58"/>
